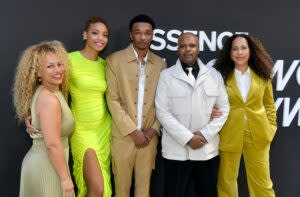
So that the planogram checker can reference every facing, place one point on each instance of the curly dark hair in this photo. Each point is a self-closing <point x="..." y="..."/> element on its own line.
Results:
<point x="259" y="61"/>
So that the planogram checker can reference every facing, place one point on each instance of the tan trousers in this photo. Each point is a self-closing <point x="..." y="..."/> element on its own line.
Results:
<point x="256" y="165"/>
<point x="126" y="160"/>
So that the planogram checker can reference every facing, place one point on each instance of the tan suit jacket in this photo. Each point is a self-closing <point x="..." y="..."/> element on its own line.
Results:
<point x="259" y="111"/>
<point x="122" y="73"/>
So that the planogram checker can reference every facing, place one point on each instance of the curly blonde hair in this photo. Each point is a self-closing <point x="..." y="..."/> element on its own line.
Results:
<point x="26" y="77"/>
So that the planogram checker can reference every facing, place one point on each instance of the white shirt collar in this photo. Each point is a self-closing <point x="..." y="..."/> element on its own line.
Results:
<point x="243" y="82"/>
<point x="239" y="73"/>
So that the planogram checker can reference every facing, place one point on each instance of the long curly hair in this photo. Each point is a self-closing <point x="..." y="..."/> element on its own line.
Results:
<point x="26" y="77"/>
<point x="259" y="61"/>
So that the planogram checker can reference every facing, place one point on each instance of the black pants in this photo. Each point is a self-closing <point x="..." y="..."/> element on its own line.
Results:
<point x="179" y="174"/>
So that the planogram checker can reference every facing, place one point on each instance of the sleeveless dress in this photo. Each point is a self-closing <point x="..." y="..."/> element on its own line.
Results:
<point x="38" y="176"/>
<point x="87" y="88"/>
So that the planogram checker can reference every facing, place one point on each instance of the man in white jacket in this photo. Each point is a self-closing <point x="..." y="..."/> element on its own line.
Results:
<point x="186" y="95"/>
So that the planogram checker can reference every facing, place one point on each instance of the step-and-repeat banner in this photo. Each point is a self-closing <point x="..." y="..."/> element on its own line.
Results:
<point x="275" y="23"/>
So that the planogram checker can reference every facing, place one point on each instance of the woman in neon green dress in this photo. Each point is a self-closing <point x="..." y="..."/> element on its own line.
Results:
<point x="90" y="141"/>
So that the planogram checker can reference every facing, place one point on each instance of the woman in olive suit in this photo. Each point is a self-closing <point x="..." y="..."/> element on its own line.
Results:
<point x="247" y="69"/>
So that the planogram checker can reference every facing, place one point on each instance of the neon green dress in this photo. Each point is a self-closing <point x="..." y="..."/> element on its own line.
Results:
<point x="87" y="88"/>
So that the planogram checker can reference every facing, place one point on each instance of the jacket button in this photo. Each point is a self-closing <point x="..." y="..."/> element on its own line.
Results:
<point x="144" y="116"/>
<point x="134" y="102"/>
<point x="136" y="89"/>
<point x="145" y="103"/>
<point x="137" y="75"/>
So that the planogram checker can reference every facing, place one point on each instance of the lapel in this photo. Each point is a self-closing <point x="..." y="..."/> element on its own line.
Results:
<point x="131" y="67"/>
<point x="131" y="57"/>
<point x="203" y="72"/>
<point x="231" y="83"/>
<point x="180" y="74"/>
<point x="254" y="85"/>
<point x="130" y="54"/>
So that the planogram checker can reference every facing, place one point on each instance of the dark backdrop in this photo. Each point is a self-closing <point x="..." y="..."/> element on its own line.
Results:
<point x="276" y="23"/>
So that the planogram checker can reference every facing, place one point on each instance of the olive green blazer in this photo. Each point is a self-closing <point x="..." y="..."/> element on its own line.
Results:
<point x="259" y="111"/>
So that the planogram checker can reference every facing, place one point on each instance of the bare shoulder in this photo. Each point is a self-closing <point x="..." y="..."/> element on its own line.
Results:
<point x="47" y="99"/>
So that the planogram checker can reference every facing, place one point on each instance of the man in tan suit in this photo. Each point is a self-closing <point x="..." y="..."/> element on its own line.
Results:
<point x="132" y="76"/>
